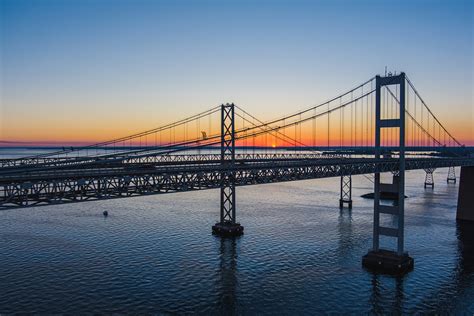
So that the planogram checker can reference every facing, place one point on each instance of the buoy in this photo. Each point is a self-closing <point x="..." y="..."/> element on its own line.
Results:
<point x="105" y="213"/>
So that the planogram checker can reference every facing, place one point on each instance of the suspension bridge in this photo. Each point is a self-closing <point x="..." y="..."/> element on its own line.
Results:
<point x="380" y="126"/>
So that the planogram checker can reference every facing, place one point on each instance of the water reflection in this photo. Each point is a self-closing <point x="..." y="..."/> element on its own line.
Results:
<point x="386" y="289"/>
<point x="299" y="258"/>
<point x="389" y="292"/>
<point x="345" y="232"/>
<point x="449" y="296"/>
<point x="227" y="277"/>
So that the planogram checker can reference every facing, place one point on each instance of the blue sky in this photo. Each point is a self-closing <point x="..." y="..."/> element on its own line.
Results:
<point x="73" y="69"/>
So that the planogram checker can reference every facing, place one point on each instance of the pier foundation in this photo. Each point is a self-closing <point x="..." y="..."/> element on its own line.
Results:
<point x="227" y="229"/>
<point x="465" y="210"/>
<point x="389" y="262"/>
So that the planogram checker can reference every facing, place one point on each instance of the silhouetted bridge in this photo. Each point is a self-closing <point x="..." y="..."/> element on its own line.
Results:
<point x="379" y="126"/>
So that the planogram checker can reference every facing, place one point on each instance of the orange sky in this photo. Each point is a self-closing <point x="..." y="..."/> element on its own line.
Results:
<point x="87" y="71"/>
<point x="67" y="133"/>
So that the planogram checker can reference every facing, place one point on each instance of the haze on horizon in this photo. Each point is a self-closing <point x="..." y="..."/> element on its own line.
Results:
<point x="76" y="72"/>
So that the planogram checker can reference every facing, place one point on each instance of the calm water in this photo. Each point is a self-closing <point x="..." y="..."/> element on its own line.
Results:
<point x="300" y="254"/>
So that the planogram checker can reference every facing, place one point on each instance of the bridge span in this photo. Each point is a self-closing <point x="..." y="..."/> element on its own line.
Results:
<point x="64" y="184"/>
<point x="380" y="126"/>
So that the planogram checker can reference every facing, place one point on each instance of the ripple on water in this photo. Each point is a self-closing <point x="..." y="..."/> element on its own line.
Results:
<point x="300" y="254"/>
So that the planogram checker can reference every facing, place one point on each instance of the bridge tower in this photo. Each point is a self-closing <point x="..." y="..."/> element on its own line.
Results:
<point x="451" y="175"/>
<point x="429" y="179"/>
<point x="227" y="226"/>
<point x="346" y="191"/>
<point x="381" y="260"/>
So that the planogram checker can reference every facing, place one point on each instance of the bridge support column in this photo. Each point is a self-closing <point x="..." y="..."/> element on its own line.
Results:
<point x="429" y="180"/>
<point x="227" y="226"/>
<point x="465" y="210"/>
<point x="346" y="192"/>
<point x="377" y="259"/>
<point x="390" y="191"/>
<point x="451" y="175"/>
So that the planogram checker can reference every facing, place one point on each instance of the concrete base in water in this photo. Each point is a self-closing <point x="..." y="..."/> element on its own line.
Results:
<point x="227" y="229"/>
<point x="466" y="195"/>
<point x="387" y="262"/>
<point x="388" y="191"/>
<point x="383" y="196"/>
<point x="342" y="202"/>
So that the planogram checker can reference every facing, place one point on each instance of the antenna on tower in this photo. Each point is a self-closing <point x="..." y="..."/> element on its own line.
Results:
<point x="385" y="71"/>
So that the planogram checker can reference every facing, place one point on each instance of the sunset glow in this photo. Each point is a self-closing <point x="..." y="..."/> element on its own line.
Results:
<point x="68" y="82"/>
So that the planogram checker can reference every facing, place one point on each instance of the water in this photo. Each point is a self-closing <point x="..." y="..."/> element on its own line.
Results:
<point x="300" y="254"/>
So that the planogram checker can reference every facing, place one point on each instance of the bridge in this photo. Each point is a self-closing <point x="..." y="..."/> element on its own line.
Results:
<point x="380" y="126"/>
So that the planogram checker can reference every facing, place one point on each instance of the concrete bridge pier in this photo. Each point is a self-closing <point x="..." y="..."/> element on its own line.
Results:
<point x="390" y="191"/>
<point x="227" y="225"/>
<point x="346" y="192"/>
<point x="465" y="210"/>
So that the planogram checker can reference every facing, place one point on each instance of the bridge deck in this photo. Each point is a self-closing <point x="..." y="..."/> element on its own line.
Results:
<point x="53" y="184"/>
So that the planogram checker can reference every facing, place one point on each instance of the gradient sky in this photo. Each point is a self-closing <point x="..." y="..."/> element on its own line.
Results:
<point x="93" y="70"/>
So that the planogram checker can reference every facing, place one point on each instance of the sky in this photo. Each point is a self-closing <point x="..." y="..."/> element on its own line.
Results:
<point x="81" y="71"/>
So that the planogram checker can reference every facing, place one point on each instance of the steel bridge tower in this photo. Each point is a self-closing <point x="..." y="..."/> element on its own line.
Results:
<point x="380" y="259"/>
<point x="227" y="226"/>
<point x="451" y="175"/>
<point x="429" y="179"/>
<point x="346" y="191"/>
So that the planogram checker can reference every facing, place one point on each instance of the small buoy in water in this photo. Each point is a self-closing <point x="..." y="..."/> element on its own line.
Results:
<point x="105" y="213"/>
